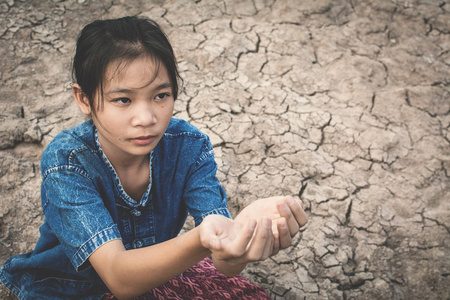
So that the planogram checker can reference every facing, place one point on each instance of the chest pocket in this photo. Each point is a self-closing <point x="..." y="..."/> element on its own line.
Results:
<point x="137" y="227"/>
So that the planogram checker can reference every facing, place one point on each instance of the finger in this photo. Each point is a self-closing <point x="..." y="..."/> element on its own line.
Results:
<point x="257" y="248"/>
<point x="276" y="238"/>
<point x="276" y="243"/>
<point x="268" y="248"/>
<point x="297" y="210"/>
<point x="286" y="212"/>
<point x="274" y="227"/>
<point x="284" y="234"/>
<point x="242" y="240"/>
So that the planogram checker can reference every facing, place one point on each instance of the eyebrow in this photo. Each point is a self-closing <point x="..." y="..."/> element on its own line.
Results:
<point x="126" y="91"/>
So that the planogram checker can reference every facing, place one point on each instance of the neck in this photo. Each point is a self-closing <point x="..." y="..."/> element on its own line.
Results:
<point x="134" y="163"/>
<point x="121" y="160"/>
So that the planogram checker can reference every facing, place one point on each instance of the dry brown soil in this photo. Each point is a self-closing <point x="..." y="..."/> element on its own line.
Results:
<point x="345" y="103"/>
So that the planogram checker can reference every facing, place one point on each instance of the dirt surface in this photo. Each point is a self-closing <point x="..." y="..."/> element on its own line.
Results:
<point x="345" y="103"/>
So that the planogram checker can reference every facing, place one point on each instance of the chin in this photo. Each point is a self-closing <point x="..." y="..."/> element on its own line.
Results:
<point x="142" y="151"/>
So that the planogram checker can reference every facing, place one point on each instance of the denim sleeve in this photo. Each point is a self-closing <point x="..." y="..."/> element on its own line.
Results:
<point x="203" y="193"/>
<point x="76" y="213"/>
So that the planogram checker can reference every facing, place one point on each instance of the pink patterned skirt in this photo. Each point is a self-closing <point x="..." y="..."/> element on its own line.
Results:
<point x="203" y="281"/>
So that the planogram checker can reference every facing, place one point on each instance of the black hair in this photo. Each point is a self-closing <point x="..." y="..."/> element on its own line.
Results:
<point x="125" y="39"/>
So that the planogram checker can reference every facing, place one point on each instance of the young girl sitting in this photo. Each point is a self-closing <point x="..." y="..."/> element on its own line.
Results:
<point x="116" y="190"/>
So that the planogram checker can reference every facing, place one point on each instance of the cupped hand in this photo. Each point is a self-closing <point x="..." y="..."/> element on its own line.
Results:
<point x="237" y="243"/>
<point x="287" y="217"/>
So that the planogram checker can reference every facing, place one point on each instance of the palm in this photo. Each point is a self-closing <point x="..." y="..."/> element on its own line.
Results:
<point x="282" y="211"/>
<point x="260" y="208"/>
<point x="226" y="239"/>
<point x="224" y="229"/>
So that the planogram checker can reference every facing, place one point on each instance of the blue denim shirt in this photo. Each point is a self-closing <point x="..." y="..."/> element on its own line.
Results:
<point x="86" y="206"/>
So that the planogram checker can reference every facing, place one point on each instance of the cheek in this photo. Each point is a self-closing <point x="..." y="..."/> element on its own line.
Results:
<point x="168" y="110"/>
<point x="168" y="113"/>
<point x="114" y="124"/>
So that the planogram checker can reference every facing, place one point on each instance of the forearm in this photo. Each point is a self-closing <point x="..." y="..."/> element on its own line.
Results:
<point x="131" y="273"/>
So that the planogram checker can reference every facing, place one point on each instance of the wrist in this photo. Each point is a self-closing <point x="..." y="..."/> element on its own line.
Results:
<point x="227" y="268"/>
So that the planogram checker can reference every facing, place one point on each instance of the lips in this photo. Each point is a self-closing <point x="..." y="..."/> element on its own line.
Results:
<point x="144" y="140"/>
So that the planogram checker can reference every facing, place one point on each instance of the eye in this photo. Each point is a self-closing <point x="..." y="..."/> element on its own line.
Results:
<point x="162" y="96"/>
<point x="122" y="100"/>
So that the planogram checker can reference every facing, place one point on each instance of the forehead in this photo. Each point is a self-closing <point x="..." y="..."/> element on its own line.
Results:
<point x="127" y="66"/>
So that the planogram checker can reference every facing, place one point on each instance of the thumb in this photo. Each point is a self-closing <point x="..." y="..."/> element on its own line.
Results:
<point x="207" y="234"/>
<point x="215" y="244"/>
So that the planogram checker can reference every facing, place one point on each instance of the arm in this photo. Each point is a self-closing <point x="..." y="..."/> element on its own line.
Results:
<point x="232" y="244"/>
<point x="131" y="273"/>
<point x="86" y="230"/>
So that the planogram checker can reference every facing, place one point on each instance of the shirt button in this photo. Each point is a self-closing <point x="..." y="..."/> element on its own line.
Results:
<point x="139" y="244"/>
<point x="136" y="213"/>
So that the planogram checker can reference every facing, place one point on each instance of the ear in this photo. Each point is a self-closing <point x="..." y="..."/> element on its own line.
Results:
<point x="81" y="99"/>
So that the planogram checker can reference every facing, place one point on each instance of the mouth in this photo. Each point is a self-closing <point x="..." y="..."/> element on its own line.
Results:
<point x="144" y="140"/>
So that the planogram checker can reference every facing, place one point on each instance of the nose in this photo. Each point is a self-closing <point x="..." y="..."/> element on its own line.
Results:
<point x="143" y="115"/>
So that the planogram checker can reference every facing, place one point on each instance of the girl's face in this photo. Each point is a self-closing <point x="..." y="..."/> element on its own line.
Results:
<point x="137" y="108"/>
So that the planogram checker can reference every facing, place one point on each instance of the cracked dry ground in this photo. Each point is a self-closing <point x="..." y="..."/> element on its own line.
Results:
<point x="345" y="103"/>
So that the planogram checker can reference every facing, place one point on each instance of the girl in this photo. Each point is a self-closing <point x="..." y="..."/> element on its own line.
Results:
<point x="116" y="189"/>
